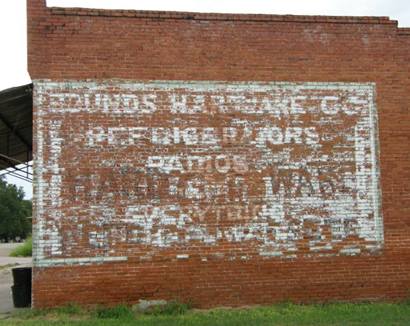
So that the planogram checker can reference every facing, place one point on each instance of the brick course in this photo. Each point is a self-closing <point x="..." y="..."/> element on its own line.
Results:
<point x="75" y="52"/>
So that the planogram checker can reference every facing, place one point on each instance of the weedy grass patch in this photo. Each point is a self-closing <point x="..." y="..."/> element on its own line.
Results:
<point x="180" y="314"/>
<point x="24" y="250"/>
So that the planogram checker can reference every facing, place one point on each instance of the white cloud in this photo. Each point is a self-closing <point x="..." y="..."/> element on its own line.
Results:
<point x="13" y="54"/>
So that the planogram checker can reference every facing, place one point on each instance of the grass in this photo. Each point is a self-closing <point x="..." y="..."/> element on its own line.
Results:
<point x="25" y="250"/>
<point x="171" y="308"/>
<point x="281" y="314"/>
<point x="118" y="312"/>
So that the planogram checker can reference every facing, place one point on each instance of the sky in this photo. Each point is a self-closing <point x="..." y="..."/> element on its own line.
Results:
<point x="13" y="54"/>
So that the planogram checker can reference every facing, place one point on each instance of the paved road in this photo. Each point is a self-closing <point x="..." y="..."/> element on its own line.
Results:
<point x="6" y="248"/>
<point x="6" y="279"/>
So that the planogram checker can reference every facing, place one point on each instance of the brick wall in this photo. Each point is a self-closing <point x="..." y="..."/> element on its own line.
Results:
<point x="220" y="159"/>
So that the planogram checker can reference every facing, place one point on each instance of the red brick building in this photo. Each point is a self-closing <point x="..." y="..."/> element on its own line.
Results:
<point x="216" y="158"/>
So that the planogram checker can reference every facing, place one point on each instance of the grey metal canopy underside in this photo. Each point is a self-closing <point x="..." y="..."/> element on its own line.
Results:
<point x="16" y="137"/>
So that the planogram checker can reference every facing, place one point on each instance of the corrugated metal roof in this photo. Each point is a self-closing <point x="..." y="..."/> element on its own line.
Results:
<point x="16" y="121"/>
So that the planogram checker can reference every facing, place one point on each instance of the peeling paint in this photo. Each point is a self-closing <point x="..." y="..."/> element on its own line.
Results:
<point x="281" y="170"/>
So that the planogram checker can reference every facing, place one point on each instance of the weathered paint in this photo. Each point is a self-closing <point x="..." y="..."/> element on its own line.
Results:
<point x="274" y="169"/>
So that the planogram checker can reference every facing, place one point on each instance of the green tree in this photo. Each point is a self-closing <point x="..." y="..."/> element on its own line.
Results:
<point x="14" y="211"/>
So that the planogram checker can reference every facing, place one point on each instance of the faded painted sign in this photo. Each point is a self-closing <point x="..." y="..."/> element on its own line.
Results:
<point x="233" y="170"/>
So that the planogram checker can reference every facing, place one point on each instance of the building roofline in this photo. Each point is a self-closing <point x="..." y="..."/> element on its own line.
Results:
<point x="176" y="15"/>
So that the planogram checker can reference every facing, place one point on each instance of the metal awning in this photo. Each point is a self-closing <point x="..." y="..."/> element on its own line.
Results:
<point x="16" y="137"/>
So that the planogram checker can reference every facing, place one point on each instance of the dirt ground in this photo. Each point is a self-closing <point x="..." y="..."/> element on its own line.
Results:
<point x="6" y="279"/>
